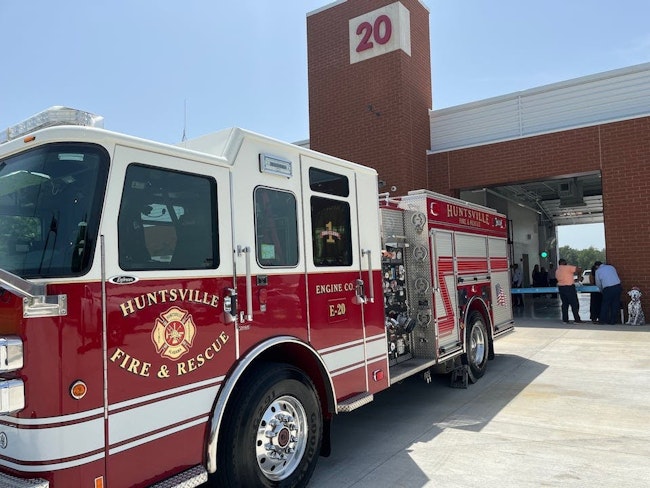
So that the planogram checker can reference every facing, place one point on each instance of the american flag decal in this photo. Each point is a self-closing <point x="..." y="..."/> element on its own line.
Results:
<point x="501" y="295"/>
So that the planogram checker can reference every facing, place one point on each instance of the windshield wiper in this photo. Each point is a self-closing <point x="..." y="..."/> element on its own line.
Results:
<point x="54" y="225"/>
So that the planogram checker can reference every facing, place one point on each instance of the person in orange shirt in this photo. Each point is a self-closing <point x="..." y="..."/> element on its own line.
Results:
<point x="566" y="287"/>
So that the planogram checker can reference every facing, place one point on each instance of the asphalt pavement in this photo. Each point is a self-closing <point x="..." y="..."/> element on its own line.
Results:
<point x="560" y="406"/>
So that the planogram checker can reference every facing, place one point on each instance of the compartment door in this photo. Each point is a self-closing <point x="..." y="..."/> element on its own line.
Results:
<point x="445" y="294"/>
<point x="500" y="285"/>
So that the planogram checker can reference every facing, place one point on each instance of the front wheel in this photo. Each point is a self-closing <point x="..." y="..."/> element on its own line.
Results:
<point x="477" y="346"/>
<point x="272" y="431"/>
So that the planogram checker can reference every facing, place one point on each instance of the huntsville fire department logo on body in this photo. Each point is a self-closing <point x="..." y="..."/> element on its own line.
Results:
<point x="173" y="333"/>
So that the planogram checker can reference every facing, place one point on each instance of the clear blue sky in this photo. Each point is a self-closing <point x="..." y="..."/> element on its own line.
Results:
<point x="243" y="63"/>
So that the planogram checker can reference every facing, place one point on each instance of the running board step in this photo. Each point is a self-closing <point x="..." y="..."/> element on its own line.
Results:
<point x="355" y="402"/>
<point x="8" y="481"/>
<point x="187" y="479"/>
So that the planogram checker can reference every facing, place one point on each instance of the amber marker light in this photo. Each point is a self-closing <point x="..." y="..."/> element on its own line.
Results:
<point x="29" y="139"/>
<point x="78" y="390"/>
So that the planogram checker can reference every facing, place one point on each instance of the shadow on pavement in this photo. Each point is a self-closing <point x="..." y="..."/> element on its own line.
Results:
<point x="372" y="446"/>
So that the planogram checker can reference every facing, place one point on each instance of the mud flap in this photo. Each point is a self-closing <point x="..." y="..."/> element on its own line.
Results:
<point x="459" y="377"/>
<point x="326" y="446"/>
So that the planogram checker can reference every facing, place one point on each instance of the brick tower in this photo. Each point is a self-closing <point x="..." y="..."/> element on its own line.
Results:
<point x="370" y="87"/>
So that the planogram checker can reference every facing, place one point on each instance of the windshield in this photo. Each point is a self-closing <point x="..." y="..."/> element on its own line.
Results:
<point x="50" y="201"/>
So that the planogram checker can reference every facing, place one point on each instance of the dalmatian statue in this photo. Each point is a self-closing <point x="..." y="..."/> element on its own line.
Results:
<point x="634" y="310"/>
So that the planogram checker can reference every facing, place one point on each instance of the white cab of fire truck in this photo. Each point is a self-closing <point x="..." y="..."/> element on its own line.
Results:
<point x="154" y="297"/>
<point x="171" y="315"/>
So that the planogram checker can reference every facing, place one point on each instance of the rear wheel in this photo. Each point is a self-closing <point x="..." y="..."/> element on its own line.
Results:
<point x="272" y="431"/>
<point x="477" y="346"/>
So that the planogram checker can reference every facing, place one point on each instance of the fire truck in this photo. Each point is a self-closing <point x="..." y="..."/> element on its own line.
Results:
<point x="172" y="315"/>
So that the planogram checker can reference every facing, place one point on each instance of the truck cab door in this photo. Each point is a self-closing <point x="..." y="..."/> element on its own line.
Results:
<point x="341" y="287"/>
<point x="169" y="339"/>
<point x="268" y="250"/>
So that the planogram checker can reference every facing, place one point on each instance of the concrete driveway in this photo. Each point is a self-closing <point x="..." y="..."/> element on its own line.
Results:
<point x="560" y="406"/>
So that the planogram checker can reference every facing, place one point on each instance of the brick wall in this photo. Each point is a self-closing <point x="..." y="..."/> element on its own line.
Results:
<point x="620" y="150"/>
<point x="374" y="112"/>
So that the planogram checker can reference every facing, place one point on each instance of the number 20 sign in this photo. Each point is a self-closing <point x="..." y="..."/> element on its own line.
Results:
<point x="379" y="32"/>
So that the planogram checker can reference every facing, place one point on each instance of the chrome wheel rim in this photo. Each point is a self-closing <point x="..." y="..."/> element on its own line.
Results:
<point x="477" y="344"/>
<point x="281" y="438"/>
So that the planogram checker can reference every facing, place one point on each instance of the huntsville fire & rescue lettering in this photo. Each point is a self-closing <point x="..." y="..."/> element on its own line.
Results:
<point x="173" y="333"/>
<point x="164" y="296"/>
<point x="142" y="368"/>
<point x="468" y="216"/>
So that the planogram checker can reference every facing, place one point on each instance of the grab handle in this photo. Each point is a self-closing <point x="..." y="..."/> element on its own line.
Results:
<point x="371" y="296"/>
<point x="249" y="286"/>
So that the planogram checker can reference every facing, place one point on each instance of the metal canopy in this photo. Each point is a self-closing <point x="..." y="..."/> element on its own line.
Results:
<point x="563" y="201"/>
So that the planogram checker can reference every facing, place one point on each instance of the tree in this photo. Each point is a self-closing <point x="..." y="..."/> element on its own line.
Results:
<point x="584" y="258"/>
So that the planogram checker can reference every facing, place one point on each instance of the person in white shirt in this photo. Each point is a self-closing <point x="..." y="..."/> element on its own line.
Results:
<point x="609" y="283"/>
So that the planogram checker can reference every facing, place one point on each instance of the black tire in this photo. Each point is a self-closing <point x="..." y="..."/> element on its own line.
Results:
<point x="477" y="344"/>
<point x="272" y="431"/>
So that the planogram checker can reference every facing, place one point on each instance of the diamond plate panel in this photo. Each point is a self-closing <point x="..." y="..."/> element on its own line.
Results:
<point x="187" y="479"/>
<point x="418" y="266"/>
<point x="7" y="481"/>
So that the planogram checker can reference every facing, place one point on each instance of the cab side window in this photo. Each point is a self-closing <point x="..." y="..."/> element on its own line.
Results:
<point x="330" y="219"/>
<point x="167" y="220"/>
<point x="276" y="227"/>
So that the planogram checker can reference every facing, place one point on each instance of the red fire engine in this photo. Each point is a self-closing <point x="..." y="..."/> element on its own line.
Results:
<point x="170" y="314"/>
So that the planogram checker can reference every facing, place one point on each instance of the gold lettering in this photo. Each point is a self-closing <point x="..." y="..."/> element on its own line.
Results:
<point x="117" y="355"/>
<point x="191" y="365"/>
<point x="127" y="308"/>
<point x="124" y="361"/>
<point x="331" y="288"/>
<point x="162" y="296"/>
<point x="140" y="303"/>
<point x="196" y="362"/>
<point x="133" y="367"/>
<point x="145" y="369"/>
